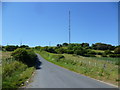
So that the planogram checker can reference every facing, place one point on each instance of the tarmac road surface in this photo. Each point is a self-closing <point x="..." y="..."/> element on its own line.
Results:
<point x="49" y="75"/>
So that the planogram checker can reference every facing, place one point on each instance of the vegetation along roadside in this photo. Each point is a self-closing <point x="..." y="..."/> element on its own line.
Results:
<point x="17" y="67"/>
<point x="99" y="62"/>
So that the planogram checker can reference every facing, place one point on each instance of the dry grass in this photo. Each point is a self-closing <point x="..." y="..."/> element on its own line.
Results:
<point x="5" y="55"/>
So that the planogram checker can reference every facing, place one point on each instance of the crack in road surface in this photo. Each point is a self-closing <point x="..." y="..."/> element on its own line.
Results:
<point x="52" y="76"/>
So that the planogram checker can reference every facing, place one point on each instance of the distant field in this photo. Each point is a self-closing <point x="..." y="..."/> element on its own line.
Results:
<point x="100" y="69"/>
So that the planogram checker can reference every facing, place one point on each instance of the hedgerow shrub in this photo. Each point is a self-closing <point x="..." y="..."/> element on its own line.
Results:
<point x="104" y="55"/>
<point x="92" y="55"/>
<point x="99" y="53"/>
<point x="70" y="52"/>
<point x="80" y="52"/>
<point x="107" y="52"/>
<point x="26" y="56"/>
<point x="51" y="50"/>
<point x="117" y="50"/>
<point x="92" y="52"/>
<point x="87" y="55"/>
<point x="60" y="50"/>
<point x="10" y="47"/>
<point x="114" y="55"/>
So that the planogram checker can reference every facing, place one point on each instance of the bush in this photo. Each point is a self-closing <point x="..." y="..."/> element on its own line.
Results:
<point x="51" y="50"/>
<point x="65" y="44"/>
<point x="104" y="55"/>
<point x="70" y="52"/>
<point x="85" y="44"/>
<point x="38" y="47"/>
<point x="99" y="53"/>
<point x="87" y="55"/>
<point x="59" y="45"/>
<point x="107" y="52"/>
<point x="114" y="55"/>
<point x="80" y="52"/>
<point x="10" y="47"/>
<point x="24" y="46"/>
<point x="92" y="52"/>
<point x="102" y="46"/>
<point x="45" y="48"/>
<point x="117" y="50"/>
<point x="60" y="50"/>
<point x="26" y="56"/>
<point x="92" y="55"/>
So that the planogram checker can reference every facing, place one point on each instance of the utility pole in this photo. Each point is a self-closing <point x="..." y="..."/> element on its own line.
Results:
<point x="21" y="43"/>
<point x="69" y="28"/>
<point x="49" y="43"/>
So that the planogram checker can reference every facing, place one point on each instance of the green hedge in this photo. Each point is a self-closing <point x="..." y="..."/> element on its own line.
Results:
<point x="14" y="74"/>
<point x="114" y="55"/>
<point x="26" y="56"/>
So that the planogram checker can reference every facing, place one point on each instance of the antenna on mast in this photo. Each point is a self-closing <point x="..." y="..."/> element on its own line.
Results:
<point x="69" y="28"/>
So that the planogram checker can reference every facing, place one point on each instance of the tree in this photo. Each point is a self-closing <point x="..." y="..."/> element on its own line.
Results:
<point x="0" y="48"/>
<point x="65" y="44"/>
<point x="11" y="47"/>
<point x="102" y="46"/>
<point x="24" y="46"/>
<point x="51" y="50"/>
<point x="85" y="44"/>
<point x="38" y="47"/>
<point x="80" y="52"/>
<point x="107" y="52"/>
<point x="59" y="45"/>
<point x="117" y="50"/>
<point x="45" y="48"/>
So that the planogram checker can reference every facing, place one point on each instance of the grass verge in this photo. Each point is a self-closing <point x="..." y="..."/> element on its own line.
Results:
<point x="14" y="73"/>
<point x="98" y="69"/>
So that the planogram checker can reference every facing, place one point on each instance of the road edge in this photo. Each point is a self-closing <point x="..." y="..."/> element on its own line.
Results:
<point x="82" y="74"/>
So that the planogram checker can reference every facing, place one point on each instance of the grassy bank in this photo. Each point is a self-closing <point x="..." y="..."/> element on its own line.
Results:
<point x="98" y="69"/>
<point x="0" y="70"/>
<point x="14" y="73"/>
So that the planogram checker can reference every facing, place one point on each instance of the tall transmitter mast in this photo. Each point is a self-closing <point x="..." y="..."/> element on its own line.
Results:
<point x="69" y="28"/>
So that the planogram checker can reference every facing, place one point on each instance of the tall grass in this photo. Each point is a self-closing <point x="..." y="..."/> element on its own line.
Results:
<point x="99" y="69"/>
<point x="14" y="73"/>
<point x="0" y="77"/>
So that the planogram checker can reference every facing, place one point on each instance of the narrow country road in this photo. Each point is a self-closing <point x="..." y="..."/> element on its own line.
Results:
<point x="53" y="76"/>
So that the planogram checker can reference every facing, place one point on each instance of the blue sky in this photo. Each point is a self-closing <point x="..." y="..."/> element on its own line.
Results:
<point x="38" y="23"/>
